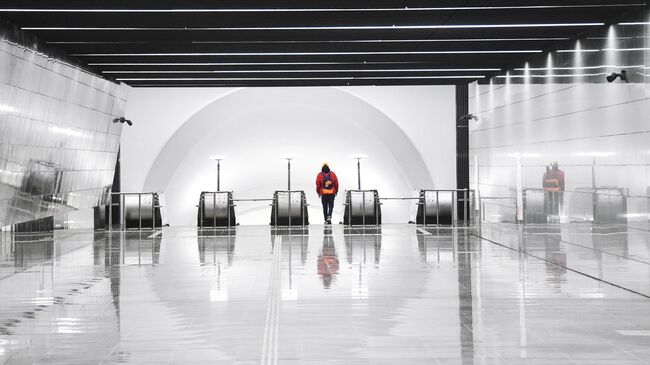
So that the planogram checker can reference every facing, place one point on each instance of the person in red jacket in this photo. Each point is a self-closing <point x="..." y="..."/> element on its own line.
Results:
<point x="327" y="185"/>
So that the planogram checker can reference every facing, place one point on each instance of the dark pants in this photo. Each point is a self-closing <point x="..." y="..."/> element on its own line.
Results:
<point x="328" y="204"/>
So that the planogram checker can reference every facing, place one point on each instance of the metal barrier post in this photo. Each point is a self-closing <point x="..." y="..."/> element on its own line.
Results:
<point x="274" y="206"/>
<point x="153" y="211"/>
<point x="376" y="199"/>
<point x="454" y="208"/>
<point x="214" y="210"/>
<point x="363" y="207"/>
<point x="437" y="208"/>
<point x="123" y="211"/>
<point x="465" y="208"/>
<point x="201" y="210"/>
<point x="302" y="213"/>
<point x="228" y="207"/>
<point x="290" y="214"/>
<point x="140" y="212"/>
<point x="110" y="212"/>
<point x="424" y="208"/>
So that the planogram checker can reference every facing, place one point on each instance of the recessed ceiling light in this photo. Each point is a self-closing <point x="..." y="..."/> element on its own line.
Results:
<point x="300" y="53"/>
<point x="300" y="71"/>
<point x="634" y="23"/>
<point x="576" y="68"/>
<point x="342" y="27"/>
<point x="577" y="50"/>
<point x="295" y="10"/>
<point x="549" y="76"/>
<point x="293" y="78"/>
<point x="626" y="49"/>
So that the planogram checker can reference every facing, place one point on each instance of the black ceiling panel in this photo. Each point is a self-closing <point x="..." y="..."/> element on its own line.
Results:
<point x="273" y="43"/>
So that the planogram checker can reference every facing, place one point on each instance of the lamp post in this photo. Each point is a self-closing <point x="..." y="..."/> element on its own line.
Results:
<point x="288" y="158"/>
<point x="218" y="158"/>
<point x="358" y="157"/>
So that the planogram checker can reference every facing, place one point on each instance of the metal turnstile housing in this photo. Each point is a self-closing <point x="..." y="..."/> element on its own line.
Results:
<point x="289" y="208"/>
<point x="435" y="207"/>
<point x="362" y="207"/>
<point x="216" y="209"/>
<point x="140" y="210"/>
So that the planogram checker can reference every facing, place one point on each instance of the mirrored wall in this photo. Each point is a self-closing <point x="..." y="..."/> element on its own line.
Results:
<point x="566" y="137"/>
<point x="58" y="142"/>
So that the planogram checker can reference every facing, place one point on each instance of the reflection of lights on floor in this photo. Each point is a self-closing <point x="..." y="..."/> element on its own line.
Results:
<point x="7" y="108"/>
<point x="69" y="325"/>
<point x="219" y="294"/>
<point x="289" y="293"/>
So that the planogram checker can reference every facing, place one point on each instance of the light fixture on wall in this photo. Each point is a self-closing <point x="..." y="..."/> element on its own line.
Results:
<point x="613" y="76"/>
<point x="359" y="157"/>
<point x="123" y="120"/>
<point x="218" y="158"/>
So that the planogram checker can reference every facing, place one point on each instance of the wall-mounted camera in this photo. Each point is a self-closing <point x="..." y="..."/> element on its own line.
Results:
<point x="123" y="120"/>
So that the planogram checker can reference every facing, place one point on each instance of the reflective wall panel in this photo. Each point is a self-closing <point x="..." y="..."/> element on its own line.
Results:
<point x="58" y="144"/>
<point x="560" y="107"/>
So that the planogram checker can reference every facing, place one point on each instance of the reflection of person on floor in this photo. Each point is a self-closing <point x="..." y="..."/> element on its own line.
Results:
<point x="328" y="262"/>
<point x="327" y="185"/>
<point x="553" y="184"/>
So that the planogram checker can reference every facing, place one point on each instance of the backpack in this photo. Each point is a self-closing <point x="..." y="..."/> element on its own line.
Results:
<point x="328" y="184"/>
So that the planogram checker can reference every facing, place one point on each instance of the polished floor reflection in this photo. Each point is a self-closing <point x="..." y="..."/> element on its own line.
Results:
<point x="399" y="295"/>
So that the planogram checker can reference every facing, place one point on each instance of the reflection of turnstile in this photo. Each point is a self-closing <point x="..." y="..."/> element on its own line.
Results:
<point x="216" y="209"/>
<point x="610" y="205"/>
<point x="362" y="207"/>
<point x="289" y="208"/>
<point x="435" y="207"/>
<point x="534" y="206"/>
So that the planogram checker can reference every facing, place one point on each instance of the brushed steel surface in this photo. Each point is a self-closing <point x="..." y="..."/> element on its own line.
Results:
<point x="58" y="145"/>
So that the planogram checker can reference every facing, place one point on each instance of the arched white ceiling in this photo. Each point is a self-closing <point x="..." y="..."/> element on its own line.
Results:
<point x="255" y="126"/>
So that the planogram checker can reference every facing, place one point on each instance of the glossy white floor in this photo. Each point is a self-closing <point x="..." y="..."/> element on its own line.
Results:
<point x="543" y="295"/>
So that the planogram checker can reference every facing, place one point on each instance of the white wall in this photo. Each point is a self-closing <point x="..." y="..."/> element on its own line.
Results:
<point x="407" y="132"/>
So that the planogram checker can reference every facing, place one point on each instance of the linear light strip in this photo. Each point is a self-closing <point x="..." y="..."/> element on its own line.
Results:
<point x="577" y="50"/>
<point x="294" y="78"/>
<point x="246" y="63"/>
<point x="575" y="68"/>
<point x="626" y="49"/>
<point x="603" y="49"/>
<point x="549" y="76"/>
<point x="350" y="27"/>
<point x="449" y="40"/>
<point x="634" y="23"/>
<point x="298" y="53"/>
<point x="303" y="71"/>
<point x="296" y="10"/>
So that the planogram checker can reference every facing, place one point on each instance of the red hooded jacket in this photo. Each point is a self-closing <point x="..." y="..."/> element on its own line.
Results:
<point x="319" y="182"/>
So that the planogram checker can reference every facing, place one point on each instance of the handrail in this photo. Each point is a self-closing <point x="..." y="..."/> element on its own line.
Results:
<point x="595" y="192"/>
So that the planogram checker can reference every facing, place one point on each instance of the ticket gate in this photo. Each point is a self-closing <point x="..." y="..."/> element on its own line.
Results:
<point x="216" y="209"/>
<point x="435" y="207"/>
<point x="289" y="208"/>
<point x="362" y="208"/>
<point x="142" y="210"/>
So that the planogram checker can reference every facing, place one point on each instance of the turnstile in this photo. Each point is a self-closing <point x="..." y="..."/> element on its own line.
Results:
<point x="435" y="207"/>
<point x="216" y="209"/>
<point x="142" y="210"/>
<point x="362" y="208"/>
<point x="289" y="208"/>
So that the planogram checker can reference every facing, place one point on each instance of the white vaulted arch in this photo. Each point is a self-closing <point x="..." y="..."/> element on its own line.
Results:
<point x="254" y="126"/>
